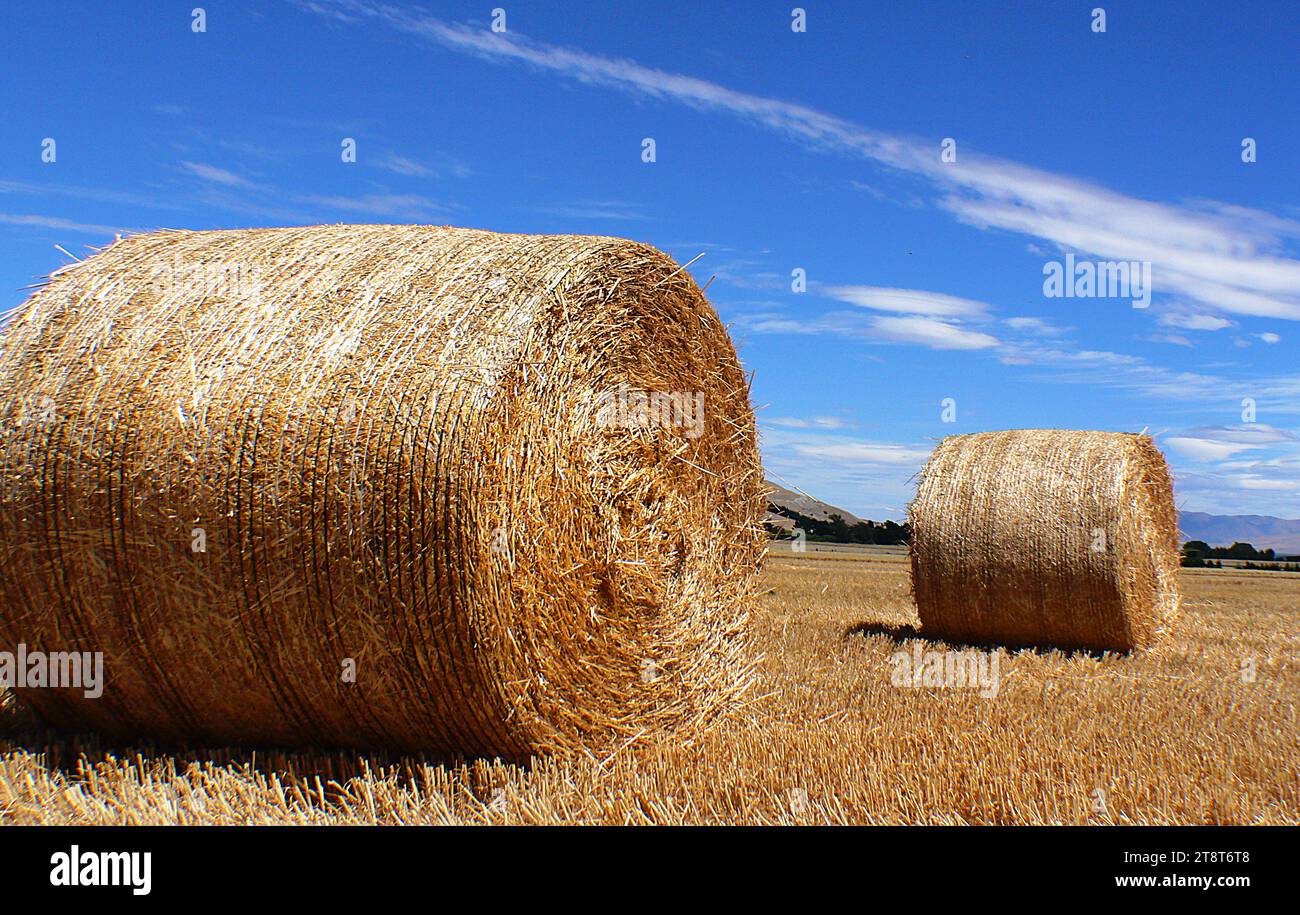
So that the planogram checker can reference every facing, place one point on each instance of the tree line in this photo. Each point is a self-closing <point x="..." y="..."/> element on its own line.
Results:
<point x="836" y="529"/>
<point x="1197" y="554"/>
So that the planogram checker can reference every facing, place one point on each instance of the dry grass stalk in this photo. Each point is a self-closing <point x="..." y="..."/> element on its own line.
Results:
<point x="1046" y="537"/>
<point x="391" y="440"/>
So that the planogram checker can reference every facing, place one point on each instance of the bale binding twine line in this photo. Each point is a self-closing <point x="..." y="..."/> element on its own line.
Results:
<point x="1046" y="537"/>
<point x="243" y="464"/>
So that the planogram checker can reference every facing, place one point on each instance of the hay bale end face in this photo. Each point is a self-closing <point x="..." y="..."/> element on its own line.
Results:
<point x="1046" y="537"/>
<point x="407" y="487"/>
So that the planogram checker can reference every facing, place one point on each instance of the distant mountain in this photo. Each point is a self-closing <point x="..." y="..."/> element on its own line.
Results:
<point x="806" y="505"/>
<point x="1260" y="531"/>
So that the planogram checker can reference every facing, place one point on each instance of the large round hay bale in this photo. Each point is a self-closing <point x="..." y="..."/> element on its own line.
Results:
<point x="1045" y="537"/>
<point x="511" y="482"/>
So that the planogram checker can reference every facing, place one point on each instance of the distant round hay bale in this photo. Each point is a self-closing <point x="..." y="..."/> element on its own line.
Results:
<point x="510" y="482"/>
<point x="1046" y="537"/>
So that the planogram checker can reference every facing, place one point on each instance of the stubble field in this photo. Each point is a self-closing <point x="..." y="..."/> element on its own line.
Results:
<point x="1202" y="729"/>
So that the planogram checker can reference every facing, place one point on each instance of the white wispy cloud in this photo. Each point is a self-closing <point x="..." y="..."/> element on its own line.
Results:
<point x="931" y="332"/>
<point x="234" y="192"/>
<point x="1234" y="469"/>
<point x="596" y="209"/>
<point x="216" y="175"/>
<point x="402" y="206"/>
<point x="843" y="469"/>
<point x="1256" y="482"/>
<point x="435" y="165"/>
<point x="82" y="192"/>
<point x="1203" y="257"/>
<point x="907" y="301"/>
<point x="910" y="329"/>
<point x="858" y="452"/>
<point x="1218" y="256"/>
<point x="812" y="422"/>
<point x="1276" y="394"/>
<point x="1199" y="449"/>
<point x="871" y="478"/>
<point x="1253" y="491"/>
<point x="402" y="165"/>
<point x="1218" y="443"/>
<point x="1175" y="339"/>
<point x="1194" y="321"/>
<point x="1035" y="326"/>
<point x="58" y="223"/>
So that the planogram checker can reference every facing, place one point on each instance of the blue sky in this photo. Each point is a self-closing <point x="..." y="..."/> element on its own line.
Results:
<point x="775" y="151"/>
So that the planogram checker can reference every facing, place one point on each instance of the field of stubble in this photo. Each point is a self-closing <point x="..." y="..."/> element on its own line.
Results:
<point x="1174" y="735"/>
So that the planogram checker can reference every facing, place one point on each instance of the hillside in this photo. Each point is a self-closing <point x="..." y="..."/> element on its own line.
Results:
<point x="806" y="505"/>
<point x="1260" y="531"/>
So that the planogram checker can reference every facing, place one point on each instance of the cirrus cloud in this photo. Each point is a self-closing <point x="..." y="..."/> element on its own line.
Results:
<point x="1218" y="256"/>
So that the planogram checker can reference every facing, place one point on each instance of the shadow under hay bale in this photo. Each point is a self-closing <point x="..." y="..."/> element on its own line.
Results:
<point x="1045" y="537"/>
<point x="902" y="634"/>
<point x="405" y="487"/>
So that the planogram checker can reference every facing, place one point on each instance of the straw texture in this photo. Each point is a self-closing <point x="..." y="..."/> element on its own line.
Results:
<point x="234" y="460"/>
<point x="1046" y="537"/>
